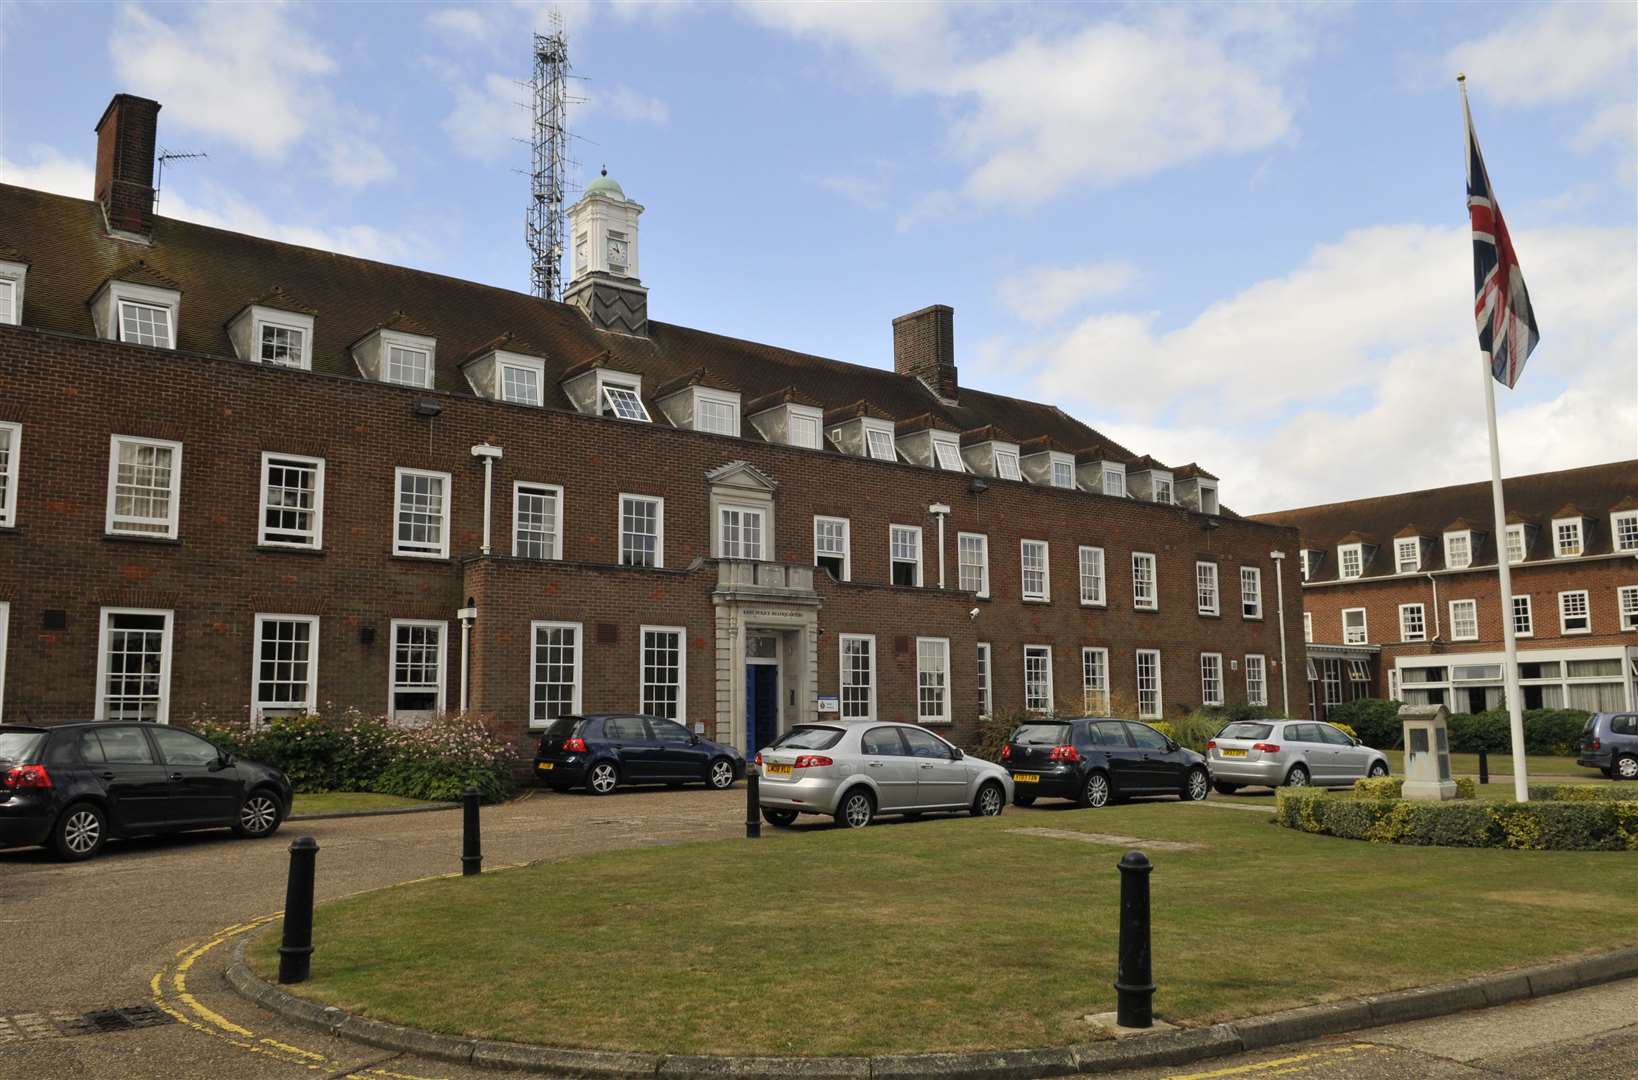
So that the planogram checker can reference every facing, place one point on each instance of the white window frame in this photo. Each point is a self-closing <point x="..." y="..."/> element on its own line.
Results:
<point x="982" y="675"/>
<point x="579" y="660"/>
<point x="1515" y="532"/>
<point x="121" y="304"/>
<point x="258" y="707"/>
<point x="1564" y="616"/>
<point x="314" y="535"/>
<point x="847" y="543"/>
<point x="842" y="672"/>
<point x="947" y="452"/>
<point x="175" y="501"/>
<point x="727" y="399"/>
<point x="1038" y="652"/>
<point x="1251" y="600"/>
<point x="1152" y="602"/>
<point x="1464" y="538"/>
<point x="10" y="471"/>
<point x="1061" y="466"/>
<point x="1094" y="578"/>
<point x="388" y="344"/>
<point x="1114" y="480"/>
<point x="1624" y="531"/>
<point x="1470" y="613"/>
<point x="1308" y="627"/>
<point x="1011" y="470"/>
<point x="659" y="529"/>
<point x="877" y="429"/>
<point x="1158" y="710"/>
<point x="393" y="685"/>
<point x="1560" y="548"/>
<point x="521" y="488"/>
<point x="643" y="685"/>
<point x="893" y="559"/>
<point x="1305" y="560"/>
<point x="744" y="511"/>
<point x="942" y="672"/>
<point x="1205" y="588"/>
<point x="1529" y="614"/>
<point x="1406" y="633"/>
<point x="1042" y="595"/>
<point x="808" y="415"/>
<point x="983" y="564"/>
<point x="1095" y="680"/>
<point x="1160" y="483"/>
<point x="1211" y="668"/>
<point x="1626" y="606"/>
<point x="1358" y="552"/>
<point x="530" y="365"/>
<point x="1256" y="679"/>
<point x="1348" y="637"/>
<point x="5" y="627"/>
<point x="420" y="551"/>
<point x="14" y="280"/>
<point x="162" y="714"/>
<point x="1407" y="549"/>
<point x="290" y="323"/>
<point x="609" y="391"/>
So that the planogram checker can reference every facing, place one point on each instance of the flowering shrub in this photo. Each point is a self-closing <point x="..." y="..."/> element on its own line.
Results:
<point x="342" y="749"/>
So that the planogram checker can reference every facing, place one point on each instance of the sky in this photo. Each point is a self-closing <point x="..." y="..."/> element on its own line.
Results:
<point x="1228" y="234"/>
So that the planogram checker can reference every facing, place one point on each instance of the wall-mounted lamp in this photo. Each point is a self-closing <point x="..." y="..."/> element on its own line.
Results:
<point x="366" y="634"/>
<point x="428" y="407"/>
<point x="978" y="485"/>
<point x="1212" y="523"/>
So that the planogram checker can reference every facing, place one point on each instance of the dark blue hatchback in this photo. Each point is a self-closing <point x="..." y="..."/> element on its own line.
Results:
<point x="1096" y="760"/>
<point x="606" y="751"/>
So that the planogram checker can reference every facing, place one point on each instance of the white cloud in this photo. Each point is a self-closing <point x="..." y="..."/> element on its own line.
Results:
<point x="628" y="104"/>
<point x="48" y="170"/>
<point x="1043" y="293"/>
<point x="488" y="119"/>
<point x="1357" y="373"/>
<point x="1552" y="53"/>
<point x="248" y="75"/>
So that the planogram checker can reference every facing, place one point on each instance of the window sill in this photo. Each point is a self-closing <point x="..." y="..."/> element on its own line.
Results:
<point x="1250" y="618"/>
<point x="1210" y="614"/>
<point x="1036" y="600"/>
<point x="283" y="549"/>
<point x="1099" y="604"/>
<point x="400" y="557"/>
<point x="125" y="538"/>
<point x="1146" y="610"/>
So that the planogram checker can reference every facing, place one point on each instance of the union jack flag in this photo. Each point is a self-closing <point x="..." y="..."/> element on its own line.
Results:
<point x="1501" y="303"/>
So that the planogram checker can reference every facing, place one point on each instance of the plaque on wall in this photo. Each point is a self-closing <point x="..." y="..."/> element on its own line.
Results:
<point x="830" y="703"/>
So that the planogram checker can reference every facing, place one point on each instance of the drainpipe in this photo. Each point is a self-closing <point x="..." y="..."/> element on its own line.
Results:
<point x="489" y="455"/>
<point x="938" y="510"/>
<point x="1279" y="592"/>
<point x="468" y="615"/>
<point x="1435" y="583"/>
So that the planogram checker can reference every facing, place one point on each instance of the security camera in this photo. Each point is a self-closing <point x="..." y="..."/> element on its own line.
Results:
<point x="973" y="614"/>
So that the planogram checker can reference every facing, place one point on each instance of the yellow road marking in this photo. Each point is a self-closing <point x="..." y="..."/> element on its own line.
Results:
<point x="287" y="1048"/>
<point x="1278" y="1066"/>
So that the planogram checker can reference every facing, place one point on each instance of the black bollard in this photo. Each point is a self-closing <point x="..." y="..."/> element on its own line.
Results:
<point x="471" y="842"/>
<point x="753" y="802"/>
<point x="1134" y="980"/>
<point x="296" y="950"/>
<point x="1484" y="766"/>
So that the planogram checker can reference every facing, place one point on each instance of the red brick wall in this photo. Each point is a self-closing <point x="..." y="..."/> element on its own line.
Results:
<point x="71" y="394"/>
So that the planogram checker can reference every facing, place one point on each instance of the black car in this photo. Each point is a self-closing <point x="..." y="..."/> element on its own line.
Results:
<point x="1094" y="760"/>
<point x="72" y="786"/>
<point x="603" y="752"/>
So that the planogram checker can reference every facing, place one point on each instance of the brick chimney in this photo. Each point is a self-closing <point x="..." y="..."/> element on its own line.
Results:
<point x="924" y="346"/>
<point x="125" y="164"/>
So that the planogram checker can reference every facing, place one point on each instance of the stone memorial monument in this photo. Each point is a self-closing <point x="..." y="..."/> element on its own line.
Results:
<point x="1427" y="753"/>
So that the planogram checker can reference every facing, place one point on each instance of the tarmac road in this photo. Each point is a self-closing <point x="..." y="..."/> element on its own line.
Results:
<point x="147" y="928"/>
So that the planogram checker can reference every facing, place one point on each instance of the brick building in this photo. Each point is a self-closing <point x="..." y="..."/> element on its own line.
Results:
<point x="1400" y="595"/>
<point x="243" y="475"/>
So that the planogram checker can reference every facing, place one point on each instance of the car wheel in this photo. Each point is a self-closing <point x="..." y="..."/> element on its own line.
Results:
<point x="1196" y="787"/>
<point x="779" y="816"/>
<point x="260" y="815"/>
<point x="1297" y="777"/>
<point x="1379" y="768"/>
<point x="1096" y="792"/>
<point x="721" y="774"/>
<point x="857" y="809"/>
<point x="1626" y="768"/>
<point x="603" y="778"/>
<point x="1020" y="799"/>
<point x="1226" y="789"/>
<point x="79" y="833"/>
<point x="990" y="802"/>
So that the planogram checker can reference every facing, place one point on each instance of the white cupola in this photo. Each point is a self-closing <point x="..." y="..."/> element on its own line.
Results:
<point x="603" y="252"/>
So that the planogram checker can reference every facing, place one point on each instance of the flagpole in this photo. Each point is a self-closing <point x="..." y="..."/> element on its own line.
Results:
<point x="1510" y="648"/>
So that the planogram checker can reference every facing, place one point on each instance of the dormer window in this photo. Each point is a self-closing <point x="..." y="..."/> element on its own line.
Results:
<point x="622" y="402"/>
<point x="137" y="314"/>
<point x="398" y="357"/>
<point x="145" y="324"/>
<point x="1114" y="479"/>
<point x="519" y="384"/>
<point x="1458" y="550"/>
<point x="1307" y="563"/>
<point x="601" y="391"/>
<point x="716" y="411"/>
<point x="947" y="451"/>
<point x="266" y="335"/>
<point x="1063" y="473"/>
<point x="1624" y="528"/>
<point x="803" y="426"/>
<point x="1567" y="537"/>
<point x="1163" y="487"/>
<point x="879" y="441"/>
<point x="1515" y="543"/>
<point x="1407" y="554"/>
<point x="408" y="366"/>
<point x="1351" y="560"/>
<point x="13" y="275"/>
<point x="1208" y="499"/>
<point x="1006" y="464"/>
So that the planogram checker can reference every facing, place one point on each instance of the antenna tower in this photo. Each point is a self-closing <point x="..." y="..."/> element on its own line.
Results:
<point x="543" y="221"/>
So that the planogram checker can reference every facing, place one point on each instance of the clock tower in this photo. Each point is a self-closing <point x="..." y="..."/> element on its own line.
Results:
<point x="603" y="281"/>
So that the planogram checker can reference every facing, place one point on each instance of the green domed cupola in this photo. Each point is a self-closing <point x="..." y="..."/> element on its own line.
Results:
<point x="606" y="186"/>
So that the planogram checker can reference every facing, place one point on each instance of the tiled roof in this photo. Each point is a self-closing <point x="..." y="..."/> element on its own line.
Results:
<point x="698" y="377"/>
<point x="1139" y="464"/>
<point x="507" y="342"/>
<point x="923" y="422"/>
<point x="280" y="300"/>
<point x="71" y="256"/>
<point x="1594" y="491"/>
<point x="984" y="433"/>
<point x="1192" y="470"/>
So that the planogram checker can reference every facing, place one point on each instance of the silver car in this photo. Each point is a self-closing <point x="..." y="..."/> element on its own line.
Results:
<point x="855" y="770"/>
<point x="1270" y="753"/>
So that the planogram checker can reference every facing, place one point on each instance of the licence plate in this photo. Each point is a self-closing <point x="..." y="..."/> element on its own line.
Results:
<point x="778" y="770"/>
<point x="544" y="766"/>
<point x="1025" y="778"/>
<point x="1233" y="753"/>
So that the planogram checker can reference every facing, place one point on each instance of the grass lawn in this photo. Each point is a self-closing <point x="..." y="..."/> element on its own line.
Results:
<point x="942" y="934"/>
<point x="1535" y="765"/>
<point x="343" y="802"/>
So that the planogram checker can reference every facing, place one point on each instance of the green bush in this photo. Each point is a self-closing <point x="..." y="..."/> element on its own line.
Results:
<point x="1582" y="793"/>
<point x="1586" y="825"/>
<point x="1373" y="721"/>
<point x="992" y="732"/>
<point x="1546" y="731"/>
<point x="1389" y="787"/>
<point x="446" y="756"/>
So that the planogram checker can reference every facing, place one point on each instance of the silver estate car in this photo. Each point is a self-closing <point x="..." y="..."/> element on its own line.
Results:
<point x="855" y="770"/>
<point x="1269" y="753"/>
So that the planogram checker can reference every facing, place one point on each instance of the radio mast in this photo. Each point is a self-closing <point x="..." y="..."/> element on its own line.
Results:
<point x="543" y="221"/>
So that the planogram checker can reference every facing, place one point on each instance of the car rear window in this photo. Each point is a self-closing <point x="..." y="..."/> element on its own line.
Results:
<point x="1041" y="735"/>
<point x="807" y="737"/>
<point x="1242" y="729"/>
<point x="560" y="729"/>
<point x="20" y="745"/>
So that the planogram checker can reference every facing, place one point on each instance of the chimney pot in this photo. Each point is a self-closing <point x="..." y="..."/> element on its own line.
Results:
<point x="125" y="164"/>
<point x="924" y="347"/>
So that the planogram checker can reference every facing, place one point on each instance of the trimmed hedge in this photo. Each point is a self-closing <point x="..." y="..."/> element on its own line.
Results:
<point x="1586" y="825"/>
<point x="1583" y="792"/>
<point x="1388" y="787"/>
<point x="1546" y="731"/>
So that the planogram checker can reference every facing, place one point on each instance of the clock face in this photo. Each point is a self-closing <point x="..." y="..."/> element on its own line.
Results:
<point x="617" y="252"/>
<point x="580" y="254"/>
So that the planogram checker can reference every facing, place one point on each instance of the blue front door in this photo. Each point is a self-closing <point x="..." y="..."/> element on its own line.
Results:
<point x="761" y="706"/>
